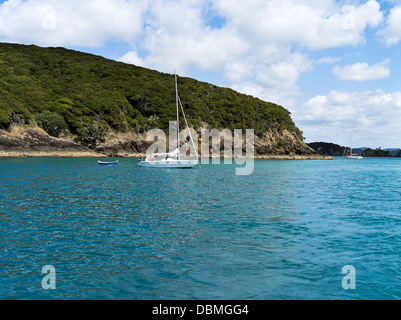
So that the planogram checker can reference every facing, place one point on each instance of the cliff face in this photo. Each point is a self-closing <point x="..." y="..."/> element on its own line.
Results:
<point x="34" y="139"/>
<point x="272" y="143"/>
<point x="284" y="142"/>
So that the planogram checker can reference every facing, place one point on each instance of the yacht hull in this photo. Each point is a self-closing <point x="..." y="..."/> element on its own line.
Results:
<point x="178" y="164"/>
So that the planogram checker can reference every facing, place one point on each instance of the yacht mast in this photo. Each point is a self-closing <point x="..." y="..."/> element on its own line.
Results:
<point x="178" y="120"/>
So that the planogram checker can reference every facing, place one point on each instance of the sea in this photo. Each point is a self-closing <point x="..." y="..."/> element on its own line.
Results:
<point x="292" y="230"/>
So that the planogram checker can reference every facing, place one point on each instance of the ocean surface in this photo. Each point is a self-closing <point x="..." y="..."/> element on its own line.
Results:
<point x="284" y="232"/>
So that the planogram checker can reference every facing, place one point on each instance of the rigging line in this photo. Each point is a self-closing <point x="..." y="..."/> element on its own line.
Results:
<point x="186" y="122"/>
<point x="178" y="120"/>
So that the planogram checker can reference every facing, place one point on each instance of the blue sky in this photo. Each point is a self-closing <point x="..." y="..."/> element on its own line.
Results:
<point x="335" y="65"/>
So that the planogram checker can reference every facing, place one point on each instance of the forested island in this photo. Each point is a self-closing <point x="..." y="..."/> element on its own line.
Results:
<point x="335" y="150"/>
<point x="55" y="99"/>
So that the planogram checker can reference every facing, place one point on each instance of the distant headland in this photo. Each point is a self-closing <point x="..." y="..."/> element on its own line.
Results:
<point x="335" y="150"/>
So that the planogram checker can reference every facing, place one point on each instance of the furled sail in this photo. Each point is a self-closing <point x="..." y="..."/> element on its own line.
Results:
<point x="173" y="154"/>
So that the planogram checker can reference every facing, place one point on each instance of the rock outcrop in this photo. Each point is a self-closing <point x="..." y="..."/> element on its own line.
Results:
<point x="281" y="143"/>
<point x="34" y="139"/>
<point x="34" y="142"/>
<point x="272" y="143"/>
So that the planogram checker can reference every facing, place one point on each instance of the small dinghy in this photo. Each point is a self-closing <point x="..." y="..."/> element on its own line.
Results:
<point x="101" y="163"/>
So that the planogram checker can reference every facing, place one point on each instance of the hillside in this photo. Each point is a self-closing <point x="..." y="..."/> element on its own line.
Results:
<point x="123" y="98"/>
<point x="376" y="153"/>
<point x="327" y="149"/>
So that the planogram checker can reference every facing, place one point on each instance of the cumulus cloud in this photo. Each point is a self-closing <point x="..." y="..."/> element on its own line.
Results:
<point x="205" y="49"/>
<point x="391" y="34"/>
<point x="270" y="74"/>
<point x="70" y="23"/>
<point x="315" y="24"/>
<point x="363" y="72"/>
<point x="254" y="48"/>
<point x="328" y="60"/>
<point x="132" y="58"/>
<point x="274" y="94"/>
<point x="285" y="71"/>
<point x="374" y="114"/>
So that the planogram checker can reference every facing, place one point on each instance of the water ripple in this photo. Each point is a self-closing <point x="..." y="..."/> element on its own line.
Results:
<point x="284" y="232"/>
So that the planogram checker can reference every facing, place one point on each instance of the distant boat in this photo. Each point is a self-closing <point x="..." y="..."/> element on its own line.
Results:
<point x="348" y="150"/>
<point x="101" y="163"/>
<point x="173" y="159"/>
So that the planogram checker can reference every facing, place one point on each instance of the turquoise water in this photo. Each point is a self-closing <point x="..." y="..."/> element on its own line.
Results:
<point x="284" y="232"/>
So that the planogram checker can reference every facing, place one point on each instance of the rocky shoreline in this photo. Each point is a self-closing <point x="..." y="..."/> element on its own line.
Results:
<point x="83" y="154"/>
<point x="23" y="142"/>
<point x="294" y="157"/>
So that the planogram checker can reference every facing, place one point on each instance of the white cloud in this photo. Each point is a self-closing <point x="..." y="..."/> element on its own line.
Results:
<point x="271" y="73"/>
<point x="204" y="49"/>
<point x="391" y="34"/>
<point x="70" y="23"/>
<point x="312" y="23"/>
<point x="328" y="60"/>
<point x="132" y="58"/>
<point x="273" y="94"/>
<point x="285" y="71"/>
<point x="363" y="72"/>
<point x="375" y="115"/>
<point x="237" y="71"/>
<point x="176" y="36"/>
<point x="255" y="48"/>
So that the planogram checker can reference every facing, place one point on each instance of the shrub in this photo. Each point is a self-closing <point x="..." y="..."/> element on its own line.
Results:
<point x="51" y="122"/>
<point x="92" y="132"/>
<point x="5" y="117"/>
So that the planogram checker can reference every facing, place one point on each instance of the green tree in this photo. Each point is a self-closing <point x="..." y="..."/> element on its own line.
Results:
<point x="5" y="117"/>
<point x="51" y="122"/>
<point x="92" y="132"/>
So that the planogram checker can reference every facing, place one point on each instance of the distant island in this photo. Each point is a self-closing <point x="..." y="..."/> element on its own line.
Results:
<point x="335" y="150"/>
<point x="59" y="101"/>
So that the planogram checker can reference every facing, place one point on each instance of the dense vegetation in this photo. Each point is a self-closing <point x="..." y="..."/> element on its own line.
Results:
<point x="335" y="150"/>
<point x="327" y="149"/>
<point x="53" y="123"/>
<point x="85" y="88"/>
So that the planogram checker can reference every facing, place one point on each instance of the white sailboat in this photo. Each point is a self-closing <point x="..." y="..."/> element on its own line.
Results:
<point x="172" y="159"/>
<point x="348" y="150"/>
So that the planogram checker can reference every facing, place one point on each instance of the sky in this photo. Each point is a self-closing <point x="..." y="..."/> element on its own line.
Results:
<point x="335" y="65"/>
